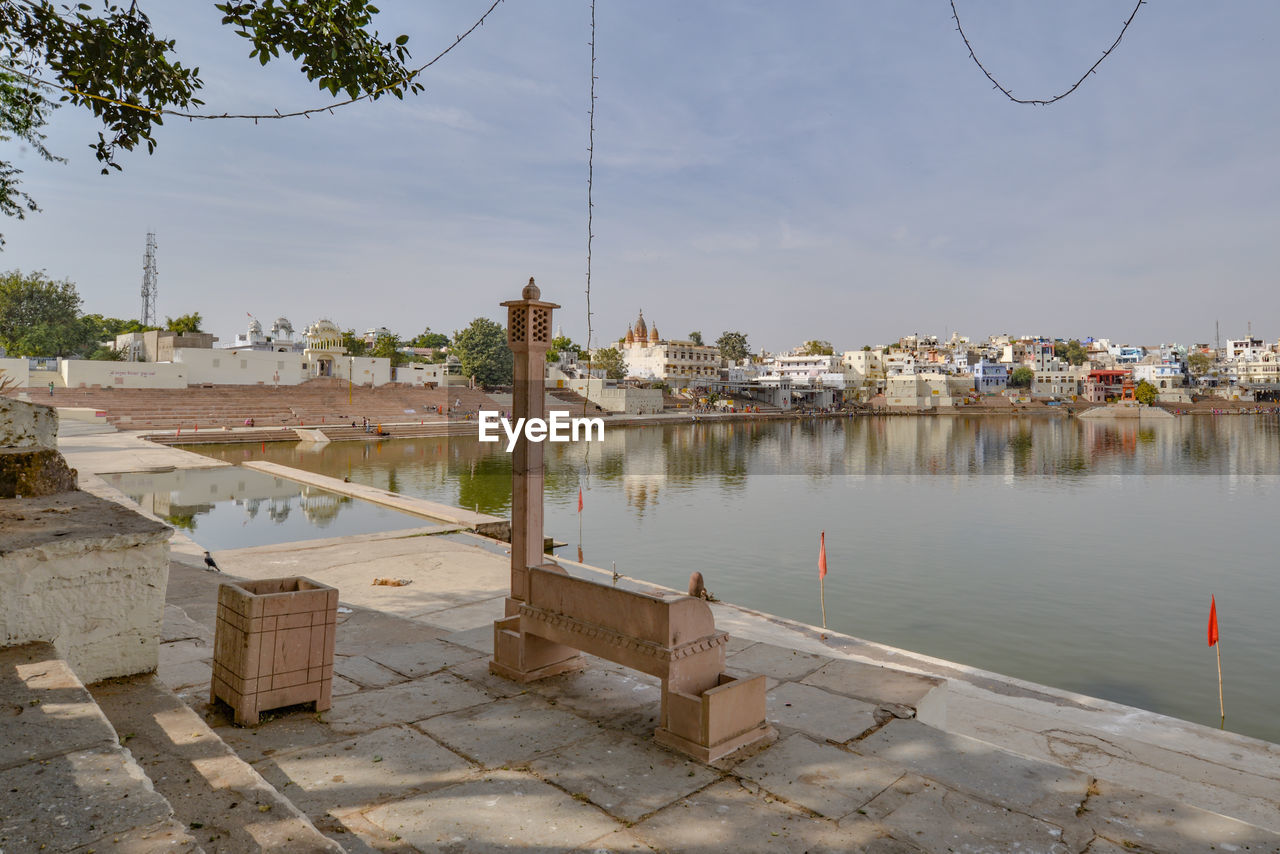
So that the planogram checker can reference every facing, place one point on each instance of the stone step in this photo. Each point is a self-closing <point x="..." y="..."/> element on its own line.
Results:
<point x="226" y="804"/>
<point x="69" y="783"/>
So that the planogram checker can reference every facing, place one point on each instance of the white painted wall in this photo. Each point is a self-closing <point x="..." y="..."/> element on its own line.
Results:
<point x="16" y="369"/>
<point x="241" y="367"/>
<point x="363" y="370"/>
<point x="81" y="373"/>
<point x="419" y="373"/>
<point x="99" y="602"/>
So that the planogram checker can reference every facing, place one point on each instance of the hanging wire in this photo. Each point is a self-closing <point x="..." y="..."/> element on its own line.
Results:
<point x="277" y="114"/>
<point x="1041" y="101"/>
<point x="591" y="149"/>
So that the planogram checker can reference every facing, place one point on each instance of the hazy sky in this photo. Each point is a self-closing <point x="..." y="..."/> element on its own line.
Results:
<point x="835" y="170"/>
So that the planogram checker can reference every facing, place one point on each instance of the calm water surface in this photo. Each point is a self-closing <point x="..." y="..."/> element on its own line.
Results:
<point x="236" y="508"/>
<point x="1074" y="553"/>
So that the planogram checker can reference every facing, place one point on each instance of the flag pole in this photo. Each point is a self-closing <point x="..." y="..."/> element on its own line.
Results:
<point x="822" y="576"/>
<point x="822" y="593"/>
<point x="1222" y="712"/>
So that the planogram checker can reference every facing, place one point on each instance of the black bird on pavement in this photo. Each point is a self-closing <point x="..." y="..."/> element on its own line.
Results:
<point x="208" y="561"/>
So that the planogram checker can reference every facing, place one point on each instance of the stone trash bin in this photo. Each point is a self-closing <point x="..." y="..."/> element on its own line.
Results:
<point x="273" y="645"/>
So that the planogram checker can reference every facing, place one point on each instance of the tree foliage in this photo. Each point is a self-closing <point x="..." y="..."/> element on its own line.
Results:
<point x="388" y="347"/>
<point x="817" y="348"/>
<point x="39" y="316"/>
<point x="1072" y="352"/>
<point x="184" y="324"/>
<point x="1146" y="393"/>
<point x="112" y="62"/>
<point x="562" y="344"/>
<point x="1021" y="377"/>
<point x="733" y="346"/>
<point x="611" y="361"/>
<point x="1200" y="363"/>
<point x="434" y="340"/>
<point x="482" y="349"/>
<point x="353" y="344"/>
<point x="696" y="337"/>
<point x="23" y="112"/>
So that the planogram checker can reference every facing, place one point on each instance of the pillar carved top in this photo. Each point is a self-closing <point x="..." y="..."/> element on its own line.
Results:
<point x="529" y="321"/>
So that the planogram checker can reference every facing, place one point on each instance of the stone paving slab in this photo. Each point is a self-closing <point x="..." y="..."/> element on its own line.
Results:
<point x="46" y="711"/>
<point x="289" y="729"/>
<point x="85" y="798"/>
<point x="468" y="616"/>
<point x="507" y="732"/>
<point x="502" y="811"/>
<point x="980" y="769"/>
<point x="368" y="769"/>
<point x="617" y="697"/>
<point x="821" y="778"/>
<point x="869" y="682"/>
<point x="725" y="817"/>
<point x="365" y="672"/>
<point x="419" y="659"/>
<point x="776" y="662"/>
<point x="479" y="638"/>
<point x="361" y="631"/>
<point x="185" y="675"/>
<point x="1137" y="820"/>
<point x="1245" y="788"/>
<point x="940" y="820"/>
<point x="403" y="703"/>
<point x="626" y="777"/>
<point x="821" y="714"/>
<point x="215" y="793"/>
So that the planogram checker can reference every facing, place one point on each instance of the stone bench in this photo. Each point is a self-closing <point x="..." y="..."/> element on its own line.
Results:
<point x="705" y="712"/>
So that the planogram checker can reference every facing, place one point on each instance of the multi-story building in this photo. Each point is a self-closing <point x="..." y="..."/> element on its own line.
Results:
<point x="990" y="377"/>
<point x="679" y="364"/>
<point x="1247" y="349"/>
<point x="1053" y="377"/>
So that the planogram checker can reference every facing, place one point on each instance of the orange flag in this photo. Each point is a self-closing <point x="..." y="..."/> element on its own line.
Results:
<point x="579" y="499"/>
<point x="822" y="555"/>
<point x="1213" y="621"/>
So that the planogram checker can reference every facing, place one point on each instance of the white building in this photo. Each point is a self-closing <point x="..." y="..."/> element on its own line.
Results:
<point x="679" y="364"/>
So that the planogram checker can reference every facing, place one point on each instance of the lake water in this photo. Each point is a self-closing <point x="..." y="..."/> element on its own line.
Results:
<point x="234" y="508"/>
<point x="1080" y="554"/>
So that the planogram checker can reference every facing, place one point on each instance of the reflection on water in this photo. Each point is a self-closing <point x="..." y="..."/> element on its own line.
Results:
<point x="230" y="507"/>
<point x="1075" y="553"/>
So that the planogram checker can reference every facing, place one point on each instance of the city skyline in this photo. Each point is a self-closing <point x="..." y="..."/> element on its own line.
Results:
<point x="847" y="174"/>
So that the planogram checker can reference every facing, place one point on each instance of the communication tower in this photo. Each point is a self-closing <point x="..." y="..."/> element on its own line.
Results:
<point x="149" y="287"/>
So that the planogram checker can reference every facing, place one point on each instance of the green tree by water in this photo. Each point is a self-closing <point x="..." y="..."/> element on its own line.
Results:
<point x="1021" y="377"/>
<point x="1146" y="393"/>
<point x="482" y="349"/>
